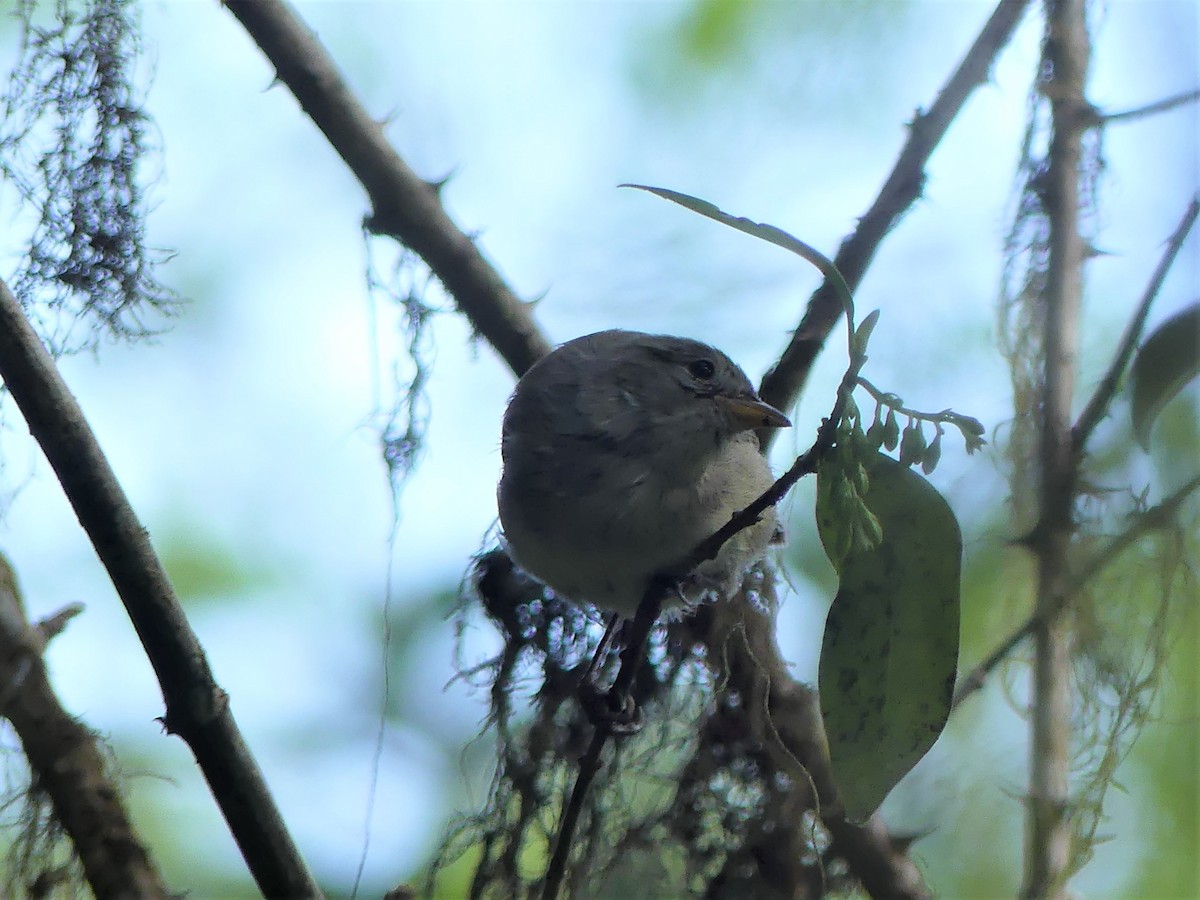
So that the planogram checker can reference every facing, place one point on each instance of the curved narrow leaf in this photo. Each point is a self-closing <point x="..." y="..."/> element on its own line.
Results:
<point x="890" y="651"/>
<point x="1166" y="361"/>
<point x="763" y="231"/>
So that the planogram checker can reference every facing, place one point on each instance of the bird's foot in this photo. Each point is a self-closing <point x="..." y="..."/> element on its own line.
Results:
<point x="620" y="716"/>
<point x="691" y="589"/>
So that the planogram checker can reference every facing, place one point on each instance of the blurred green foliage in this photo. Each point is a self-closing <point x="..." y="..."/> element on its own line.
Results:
<point x="767" y="53"/>
<point x="204" y="569"/>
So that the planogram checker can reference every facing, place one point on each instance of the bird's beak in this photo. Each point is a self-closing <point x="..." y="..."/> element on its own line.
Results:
<point x="751" y="412"/>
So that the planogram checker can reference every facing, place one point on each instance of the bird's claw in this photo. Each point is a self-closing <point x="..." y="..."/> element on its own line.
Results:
<point x="620" y="716"/>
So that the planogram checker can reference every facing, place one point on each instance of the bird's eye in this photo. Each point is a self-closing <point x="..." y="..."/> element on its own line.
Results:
<point x="702" y="368"/>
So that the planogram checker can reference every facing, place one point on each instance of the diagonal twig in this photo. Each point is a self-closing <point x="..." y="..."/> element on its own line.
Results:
<point x="196" y="708"/>
<point x="66" y="759"/>
<point x="404" y="205"/>
<point x="1097" y="406"/>
<point x="1158" y="516"/>
<point x="783" y="384"/>
<point x="1150" y="109"/>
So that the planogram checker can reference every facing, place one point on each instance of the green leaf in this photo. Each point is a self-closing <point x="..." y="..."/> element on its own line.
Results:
<point x="912" y="443"/>
<point x="862" y="335"/>
<point x="932" y="455"/>
<point x="890" y="651"/>
<point x="1166" y="361"/>
<point x="891" y="430"/>
<point x="714" y="30"/>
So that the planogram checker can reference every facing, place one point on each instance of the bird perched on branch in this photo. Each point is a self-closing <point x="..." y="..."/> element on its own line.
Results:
<point x="624" y="451"/>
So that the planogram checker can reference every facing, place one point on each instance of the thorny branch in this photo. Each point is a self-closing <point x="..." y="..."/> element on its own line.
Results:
<point x="196" y="708"/>
<point x="65" y="760"/>
<point x="1150" y="109"/>
<point x="1158" y="516"/>
<point x="404" y="205"/>
<point x="784" y="382"/>
<point x="1098" y="405"/>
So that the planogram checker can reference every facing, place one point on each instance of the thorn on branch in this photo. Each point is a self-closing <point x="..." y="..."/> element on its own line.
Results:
<point x="1156" y="517"/>
<point x="52" y="626"/>
<point x="1150" y="109"/>
<point x="438" y="184"/>
<point x="1098" y="404"/>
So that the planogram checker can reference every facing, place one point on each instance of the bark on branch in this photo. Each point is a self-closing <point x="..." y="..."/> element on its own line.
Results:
<point x="1065" y="55"/>
<point x="65" y="761"/>
<point x="404" y="206"/>
<point x="196" y="708"/>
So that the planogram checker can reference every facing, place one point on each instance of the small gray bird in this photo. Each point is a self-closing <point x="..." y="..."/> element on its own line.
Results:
<point x="622" y="452"/>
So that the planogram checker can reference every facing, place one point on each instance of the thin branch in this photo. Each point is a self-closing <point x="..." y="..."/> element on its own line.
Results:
<point x="1151" y="109"/>
<point x="975" y="679"/>
<point x="783" y="384"/>
<point x="196" y="708"/>
<point x="1097" y="406"/>
<point x="53" y="625"/>
<point x="404" y="205"/>
<point x="1065" y="55"/>
<point x="618" y="700"/>
<point x="65" y="759"/>
<point x="1159" y="516"/>
<point x="971" y="428"/>
<point x="891" y="401"/>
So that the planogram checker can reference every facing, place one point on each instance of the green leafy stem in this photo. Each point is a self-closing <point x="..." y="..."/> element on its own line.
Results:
<point x="774" y="235"/>
<point x="884" y="430"/>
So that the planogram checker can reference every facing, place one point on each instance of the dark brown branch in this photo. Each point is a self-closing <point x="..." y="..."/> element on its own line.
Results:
<point x="783" y="384"/>
<point x="1150" y="109"/>
<point x="1097" y="406"/>
<point x="404" y="206"/>
<point x="65" y="760"/>
<point x="1158" y="516"/>
<point x="196" y="708"/>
